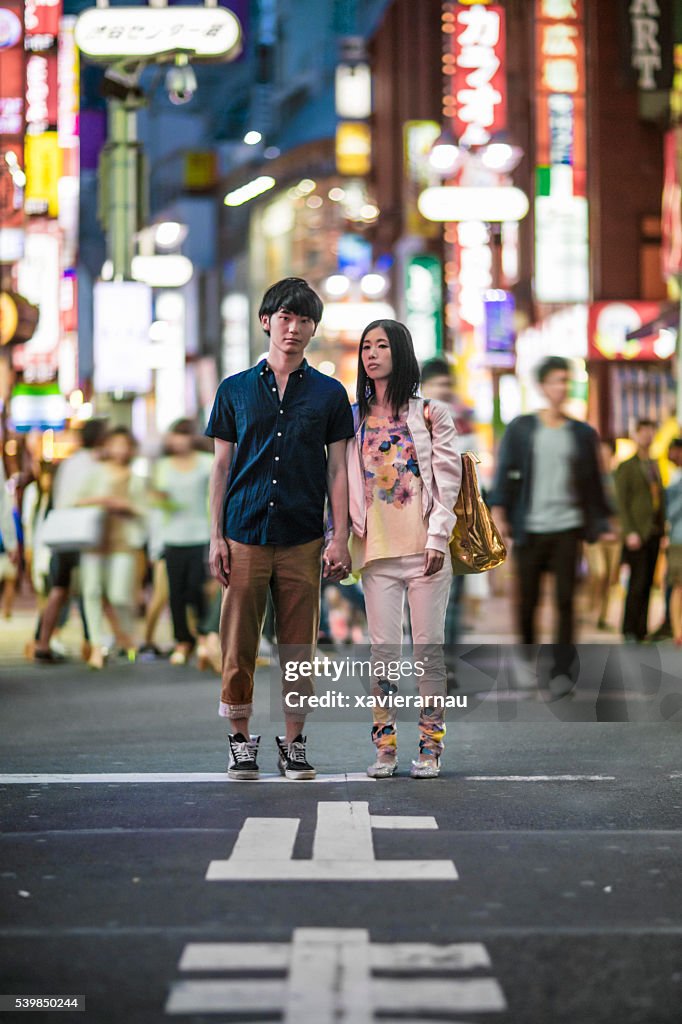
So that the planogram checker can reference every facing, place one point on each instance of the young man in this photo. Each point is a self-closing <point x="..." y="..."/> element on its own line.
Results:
<point x="548" y="496"/>
<point x="641" y="508"/>
<point x="280" y="431"/>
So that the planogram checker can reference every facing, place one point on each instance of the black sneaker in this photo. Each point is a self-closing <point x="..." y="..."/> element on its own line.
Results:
<point x="292" y="761"/>
<point x="243" y="752"/>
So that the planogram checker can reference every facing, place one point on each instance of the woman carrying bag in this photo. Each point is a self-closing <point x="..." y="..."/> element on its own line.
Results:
<point x="404" y="477"/>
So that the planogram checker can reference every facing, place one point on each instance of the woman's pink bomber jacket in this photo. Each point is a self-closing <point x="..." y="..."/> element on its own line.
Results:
<point x="440" y="469"/>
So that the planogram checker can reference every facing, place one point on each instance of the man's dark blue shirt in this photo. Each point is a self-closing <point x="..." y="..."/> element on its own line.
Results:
<point x="278" y="477"/>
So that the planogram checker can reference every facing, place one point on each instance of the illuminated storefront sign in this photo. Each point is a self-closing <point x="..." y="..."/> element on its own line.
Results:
<point x="475" y="65"/>
<point x="41" y="92"/>
<point x="37" y="407"/>
<point x="123" y="316"/>
<point x="609" y="323"/>
<point x="105" y="33"/>
<point x="41" y="18"/>
<point x="500" y="333"/>
<point x="353" y="148"/>
<point x="671" y="216"/>
<point x="418" y="139"/>
<point x="12" y="85"/>
<point x="43" y="169"/>
<point x="39" y="280"/>
<point x="424" y="304"/>
<point x="561" y="208"/>
<point x="650" y="43"/>
<point x="68" y="99"/>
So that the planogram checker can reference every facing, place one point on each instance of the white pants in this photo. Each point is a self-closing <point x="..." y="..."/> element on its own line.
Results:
<point x="111" y="576"/>
<point x="385" y="583"/>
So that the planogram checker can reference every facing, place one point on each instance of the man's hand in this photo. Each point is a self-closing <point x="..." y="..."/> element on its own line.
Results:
<point x="633" y="542"/>
<point x="605" y="538"/>
<point x="14" y="557"/>
<point x="336" y="559"/>
<point x="433" y="561"/>
<point x="219" y="560"/>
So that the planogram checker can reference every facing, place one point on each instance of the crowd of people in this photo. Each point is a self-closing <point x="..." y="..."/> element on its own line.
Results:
<point x="228" y="533"/>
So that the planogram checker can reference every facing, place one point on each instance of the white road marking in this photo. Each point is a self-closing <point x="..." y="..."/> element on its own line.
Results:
<point x="342" y="851"/>
<point x="258" y="833"/>
<point x="23" y="779"/>
<point x="79" y="778"/>
<point x="539" y="778"/>
<point x="406" y="822"/>
<point x="328" y="979"/>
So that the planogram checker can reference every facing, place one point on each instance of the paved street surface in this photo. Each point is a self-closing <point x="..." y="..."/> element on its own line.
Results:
<point x="538" y="879"/>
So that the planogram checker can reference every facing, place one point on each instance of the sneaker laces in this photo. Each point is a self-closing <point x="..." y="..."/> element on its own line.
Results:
<point x="297" y="752"/>
<point x="243" y="750"/>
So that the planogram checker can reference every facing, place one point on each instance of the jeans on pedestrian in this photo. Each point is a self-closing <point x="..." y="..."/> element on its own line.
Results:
<point x="386" y="583"/>
<point x="186" y="567"/>
<point x="556" y="553"/>
<point x="642" y="567"/>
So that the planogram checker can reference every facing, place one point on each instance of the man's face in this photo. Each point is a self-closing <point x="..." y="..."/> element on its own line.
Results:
<point x="290" y="333"/>
<point x="555" y="387"/>
<point x="439" y="388"/>
<point x="644" y="436"/>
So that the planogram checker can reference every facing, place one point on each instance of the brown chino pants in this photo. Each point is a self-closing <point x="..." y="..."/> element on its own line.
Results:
<point x="292" y="574"/>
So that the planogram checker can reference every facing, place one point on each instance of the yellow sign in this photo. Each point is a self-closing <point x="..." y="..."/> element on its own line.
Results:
<point x="353" y="148"/>
<point x="9" y="318"/>
<point x="43" y="170"/>
<point x="201" y="169"/>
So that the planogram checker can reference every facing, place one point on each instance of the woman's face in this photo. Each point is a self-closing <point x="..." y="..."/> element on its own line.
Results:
<point x="119" y="449"/>
<point x="376" y="354"/>
<point x="180" y="444"/>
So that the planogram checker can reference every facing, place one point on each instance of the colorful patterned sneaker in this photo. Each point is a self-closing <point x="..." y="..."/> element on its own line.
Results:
<point x="243" y="766"/>
<point x="384" y="767"/>
<point x="292" y="761"/>
<point x="427" y="768"/>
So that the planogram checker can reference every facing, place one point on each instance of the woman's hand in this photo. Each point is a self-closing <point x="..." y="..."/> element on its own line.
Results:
<point x="433" y="561"/>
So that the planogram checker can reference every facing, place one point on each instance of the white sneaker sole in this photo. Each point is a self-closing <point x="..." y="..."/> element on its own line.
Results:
<point x="384" y="771"/>
<point x="241" y="776"/>
<point x="298" y="776"/>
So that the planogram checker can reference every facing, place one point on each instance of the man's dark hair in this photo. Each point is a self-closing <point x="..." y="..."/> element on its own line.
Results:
<point x="644" y="422"/>
<point x="610" y="443"/>
<point x="548" y="365"/>
<point x="93" y="433"/>
<point x="436" y="367"/>
<point x="675" y="443"/>
<point x="403" y="383"/>
<point x="295" y="295"/>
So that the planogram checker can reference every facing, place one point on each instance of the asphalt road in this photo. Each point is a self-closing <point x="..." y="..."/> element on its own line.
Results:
<point x="538" y="880"/>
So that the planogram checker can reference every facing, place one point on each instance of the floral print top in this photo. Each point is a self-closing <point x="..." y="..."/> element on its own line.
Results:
<point x="395" y="523"/>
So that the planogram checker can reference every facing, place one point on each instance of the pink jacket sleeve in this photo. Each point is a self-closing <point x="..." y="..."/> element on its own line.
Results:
<point x="446" y="471"/>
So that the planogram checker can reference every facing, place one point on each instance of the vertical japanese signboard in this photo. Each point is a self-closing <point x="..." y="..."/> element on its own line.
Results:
<point x="474" y="64"/>
<point x="12" y="119"/>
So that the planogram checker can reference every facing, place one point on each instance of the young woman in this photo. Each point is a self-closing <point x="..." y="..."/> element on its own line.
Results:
<point x="181" y="482"/>
<point x="404" y="475"/>
<point x="111" y="571"/>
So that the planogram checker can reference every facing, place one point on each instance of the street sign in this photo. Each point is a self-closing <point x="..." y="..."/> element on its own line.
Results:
<point x="114" y="33"/>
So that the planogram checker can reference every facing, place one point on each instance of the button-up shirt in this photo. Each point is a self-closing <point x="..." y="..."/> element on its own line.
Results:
<point x="278" y="477"/>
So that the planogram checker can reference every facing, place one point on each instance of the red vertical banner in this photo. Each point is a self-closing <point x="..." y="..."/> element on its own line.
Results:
<point x="475" y="65"/>
<point x="12" y="120"/>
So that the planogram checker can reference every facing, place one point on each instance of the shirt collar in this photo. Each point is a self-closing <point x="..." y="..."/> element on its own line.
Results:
<point x="263" y="367"/>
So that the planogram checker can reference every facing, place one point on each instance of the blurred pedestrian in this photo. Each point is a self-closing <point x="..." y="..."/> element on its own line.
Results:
<point x="181" y="489"/>
<point x="665" y="630"/>
<point x="547" y="496"/>
<point x="641" y="510"/>
<point x="604" y="556"/>
<point x="673" y="504"/>
<point x="110" y="572"/>
<point x="69" y="477"/>
<point x="36" y="503"/>
<point x="280" y="432"/>
<point x="9" y="547"/>
<point x="404" y="474"/>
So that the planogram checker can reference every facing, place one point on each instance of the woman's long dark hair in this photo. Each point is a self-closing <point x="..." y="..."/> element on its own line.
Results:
<point x="403" y="383"/>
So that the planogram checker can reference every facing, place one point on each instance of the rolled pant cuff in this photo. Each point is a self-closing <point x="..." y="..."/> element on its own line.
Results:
<point x="235" y="710"/>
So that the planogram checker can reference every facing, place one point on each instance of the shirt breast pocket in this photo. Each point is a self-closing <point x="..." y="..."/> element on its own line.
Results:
<point x="310" y="424"/>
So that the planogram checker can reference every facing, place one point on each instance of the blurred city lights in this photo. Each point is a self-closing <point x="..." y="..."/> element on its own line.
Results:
<point x="252" y="138"/>
<point x="250" y="190"/>
<point x="369" y="211"/>
<point x="336" y="194"/>
<point x="169" y="234"/>
<point x="306" y="186"/>
<point x="158" y="330"/>
<point x="501" y="157"/>
<point x="373" y="285"/>
<point x="337" y="285"/>
<point x="314" y="202"/>
<point x="162" y="271"/>
<point x="444" y="157"/>
<point x="326" y="366"/>
<point x="500" y="203"/>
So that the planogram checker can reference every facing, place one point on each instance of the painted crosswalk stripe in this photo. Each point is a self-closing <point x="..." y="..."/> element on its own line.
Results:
<point x="334" y="976"/>
<point x="343" y="850"/>
<point x="79" y="778"/>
